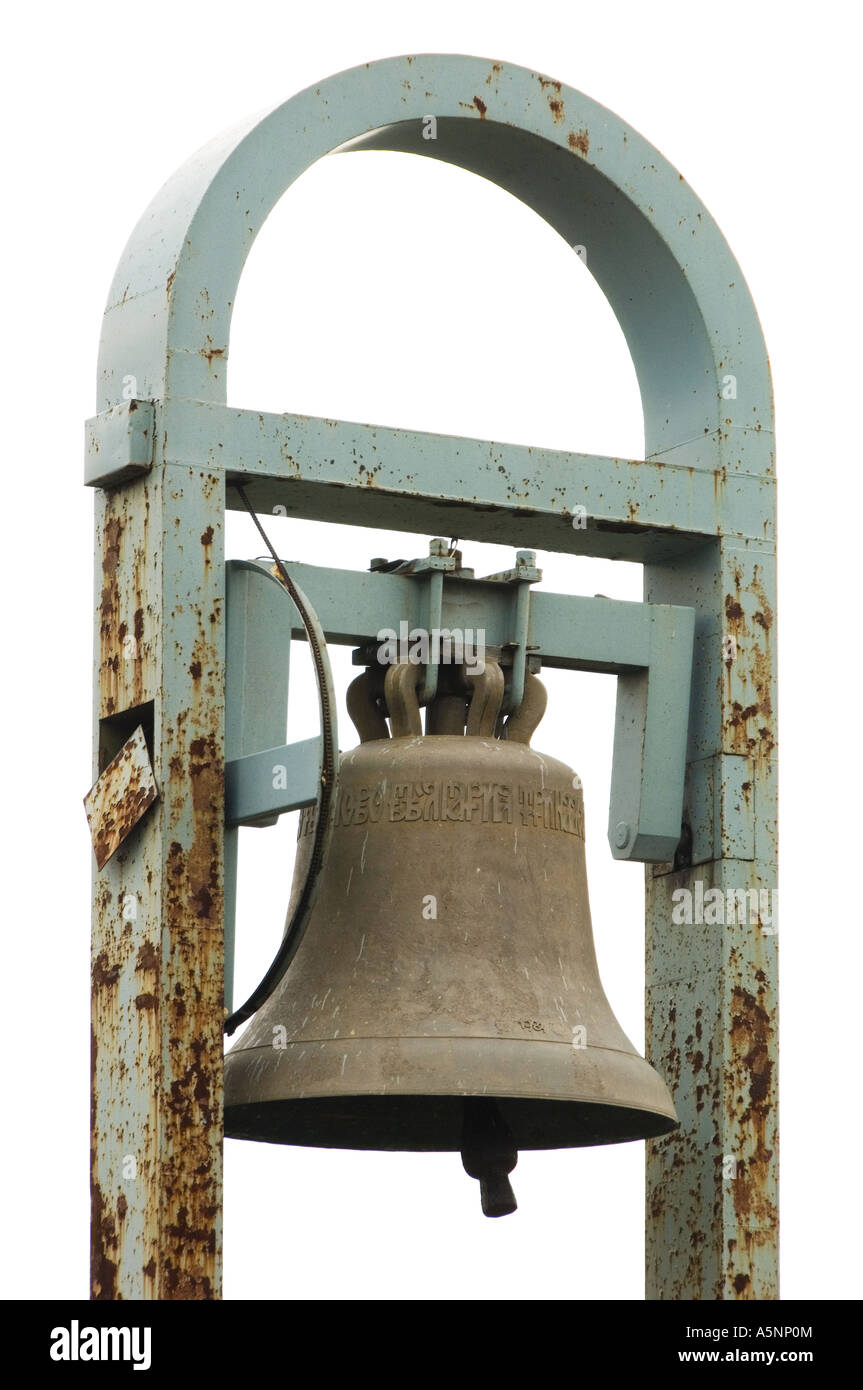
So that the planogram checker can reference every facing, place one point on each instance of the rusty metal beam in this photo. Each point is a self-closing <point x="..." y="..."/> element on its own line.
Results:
<point x="712" y="1187"/>
<point x="157" y="904"/>
<point x="371" y="475"/>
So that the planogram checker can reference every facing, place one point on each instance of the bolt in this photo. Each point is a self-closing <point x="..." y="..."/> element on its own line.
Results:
<point x="438" y="547"/>
<point x="622" y="833"/>
<point x="526" y="558"/>
<point x="378" y="562"/>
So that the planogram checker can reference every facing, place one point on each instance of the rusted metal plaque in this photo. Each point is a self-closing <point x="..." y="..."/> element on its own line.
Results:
<point x="119" y="798"/>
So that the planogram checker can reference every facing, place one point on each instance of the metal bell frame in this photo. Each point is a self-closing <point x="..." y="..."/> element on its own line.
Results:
<point x="698" y="512"/>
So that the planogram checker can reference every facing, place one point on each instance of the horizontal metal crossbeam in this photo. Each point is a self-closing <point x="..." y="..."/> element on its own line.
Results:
<point x="266" y="784"/>
<point x="648" y="646"/>
<point x="407" y="480"/>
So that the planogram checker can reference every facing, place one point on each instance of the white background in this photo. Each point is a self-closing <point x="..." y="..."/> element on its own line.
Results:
<point x="404" y="292"/>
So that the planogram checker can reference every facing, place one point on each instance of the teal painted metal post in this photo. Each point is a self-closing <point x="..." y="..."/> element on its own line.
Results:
<point x="698" y="511"/>
<point x="712" y="1187"/>
<point x="157" y="905"/>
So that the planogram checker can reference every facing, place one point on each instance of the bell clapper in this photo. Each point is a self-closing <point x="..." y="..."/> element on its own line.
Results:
<point x="489" y="1154"/>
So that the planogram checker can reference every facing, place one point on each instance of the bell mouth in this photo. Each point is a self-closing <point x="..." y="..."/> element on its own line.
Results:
<point x="434" y="1123"/>
<point x="410" y="1093"/>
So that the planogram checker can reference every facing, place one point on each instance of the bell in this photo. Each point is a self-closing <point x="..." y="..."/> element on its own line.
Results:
<point x="446" y="995"/>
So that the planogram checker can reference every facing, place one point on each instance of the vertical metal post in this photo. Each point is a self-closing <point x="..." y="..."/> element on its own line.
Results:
<point x="712" y="1187"/>
<point x="157" y="905"/>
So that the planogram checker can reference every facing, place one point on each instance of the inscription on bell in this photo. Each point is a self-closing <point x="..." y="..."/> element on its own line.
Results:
<point x="485" y="803"/>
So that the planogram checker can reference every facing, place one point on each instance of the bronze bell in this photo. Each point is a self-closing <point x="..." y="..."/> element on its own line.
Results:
<point x="446" y="995"/>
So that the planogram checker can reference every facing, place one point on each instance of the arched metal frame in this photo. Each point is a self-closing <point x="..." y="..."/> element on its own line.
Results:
<point x="698" y="511"/>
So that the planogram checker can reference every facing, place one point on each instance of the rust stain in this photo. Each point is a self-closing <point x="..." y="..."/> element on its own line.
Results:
<point x="556" y="108"/>
<point x="125" y="555"/>
<point x="111" y="548"/>
<point x="104" y="976"/>
<point x="148" y="958"/>
<point x="733" y="610"/>
<point x="752" y="1076"/>
<point x="762" y="676"/>
<point x="211" y="352"/>
<point x="109" y="614"/>
<point x="480" y="106"/>
<point x="191" y="1093"/>
<point x="749" y="673"/>
<point x="579" y="140"/>
<point x="103" y="1243"/>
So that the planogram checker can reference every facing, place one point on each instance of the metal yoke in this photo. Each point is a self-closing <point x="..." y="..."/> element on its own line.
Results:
<point x="698" y="512"/>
